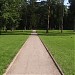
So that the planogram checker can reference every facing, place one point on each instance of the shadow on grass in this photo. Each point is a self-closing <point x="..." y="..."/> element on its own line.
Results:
<point x="17" y="32"/>
<point x="56" y="33"/>
<point x="40" y="32"/>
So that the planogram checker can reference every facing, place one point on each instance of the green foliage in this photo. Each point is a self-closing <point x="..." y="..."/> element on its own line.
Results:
<point x="72" y="12"/>
<point x="29" y="14"/>
<point x="11" y="11"/>
<point x="72" y="7"/>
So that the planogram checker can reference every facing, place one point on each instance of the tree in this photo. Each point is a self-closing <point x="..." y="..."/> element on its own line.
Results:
<point x="11" y="13"/>
<point x="23" y="13"/>
<point x="1" y="18"/>
<point x="30" y="14"/>
<point x="42" y="15"/>
<point x="62" y="14"/>
<point x="48" y="2"/>
<point x="55" y="6"/>
<point x="72" y="10"/>
<point x="33" y="15"/>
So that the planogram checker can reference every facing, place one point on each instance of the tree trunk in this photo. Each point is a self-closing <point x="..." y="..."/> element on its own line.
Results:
<point x="62" y="24"/>
<point x="47" y="25"/>
<point x="26" y="23"/>
<point x="5" y="28"/>
<point x="12" y="28"/>
<point x="62" y="15"/>
<point x="48" y="19"/>
<point x="25" y="27"/>
<point x="74" y="24"/>
<point x="0" y="31"/>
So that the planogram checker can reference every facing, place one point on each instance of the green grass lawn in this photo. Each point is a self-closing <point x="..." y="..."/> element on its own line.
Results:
<point x="10" y="43"/>
<point x="62" y="48"/>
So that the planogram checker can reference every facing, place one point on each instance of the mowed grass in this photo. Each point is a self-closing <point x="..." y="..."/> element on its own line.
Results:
<point x="62" y="48"/>
<point x="10" y="43"/>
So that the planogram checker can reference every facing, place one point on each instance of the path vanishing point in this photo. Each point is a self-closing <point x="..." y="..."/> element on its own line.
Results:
<point x="32" y="59"/>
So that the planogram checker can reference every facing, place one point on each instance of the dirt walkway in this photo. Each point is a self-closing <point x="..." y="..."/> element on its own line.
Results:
<point x="32" y="59"/>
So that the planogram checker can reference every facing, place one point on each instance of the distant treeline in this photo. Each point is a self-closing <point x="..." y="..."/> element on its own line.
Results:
<point x="30" y="14"/>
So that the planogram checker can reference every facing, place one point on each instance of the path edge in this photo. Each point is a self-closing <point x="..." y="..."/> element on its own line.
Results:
<point x="15" y="57"/>
<point x="55" y="62"/>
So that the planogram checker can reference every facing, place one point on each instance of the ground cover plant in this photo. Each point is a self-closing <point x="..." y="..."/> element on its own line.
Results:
<point x="10" y="43"/>
<point x="62" y="48"/>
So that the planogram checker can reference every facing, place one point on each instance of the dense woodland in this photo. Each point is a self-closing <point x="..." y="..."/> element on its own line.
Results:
<point x="32" y="14"/>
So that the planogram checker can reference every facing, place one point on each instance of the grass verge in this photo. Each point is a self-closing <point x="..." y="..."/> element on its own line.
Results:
<point x="62" y="48"/>
<point x="10" y="43"/>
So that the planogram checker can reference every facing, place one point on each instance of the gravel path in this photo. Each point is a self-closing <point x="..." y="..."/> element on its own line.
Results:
<point x="32" y="59"/>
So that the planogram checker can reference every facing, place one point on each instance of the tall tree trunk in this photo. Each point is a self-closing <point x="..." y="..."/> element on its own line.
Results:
<point x="47" y="25"/>
<point x="25" y="27"/>
<point x="48" y="19"/>
<point x="62" y="24"/>
<point x="0" y="31"/>
<point x="12" y="28"/>
<point x="62" y="14"/>
<point x="26" y="23"/>
<point x="25" y="18"/>
<point x="62" y="18"/>
<point x="5" y="28"/>
<point x="74" y="24"/>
